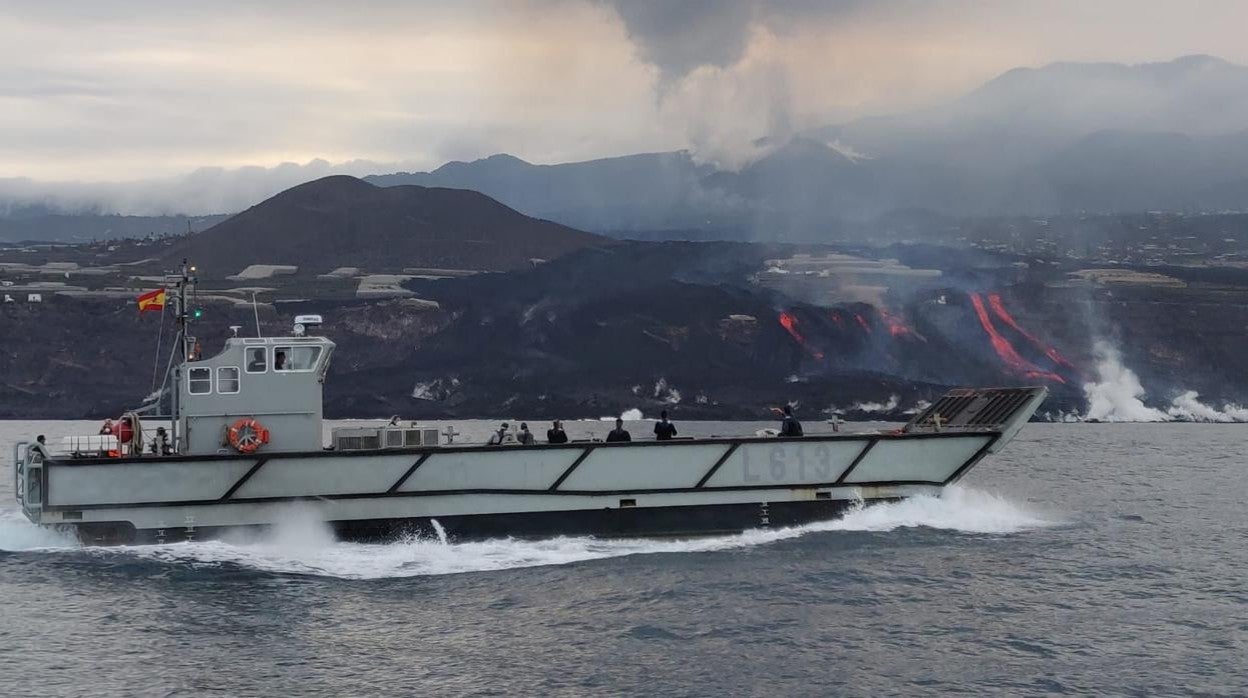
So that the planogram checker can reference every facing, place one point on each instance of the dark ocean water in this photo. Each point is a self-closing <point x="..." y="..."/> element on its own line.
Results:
<point x="1084" y="559"/>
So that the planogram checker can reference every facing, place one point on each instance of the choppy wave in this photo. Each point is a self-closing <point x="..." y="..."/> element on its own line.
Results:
<point x="302" y="545"/>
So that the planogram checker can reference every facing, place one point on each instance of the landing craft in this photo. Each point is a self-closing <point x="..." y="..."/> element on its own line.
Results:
<point x="245" y="444"/>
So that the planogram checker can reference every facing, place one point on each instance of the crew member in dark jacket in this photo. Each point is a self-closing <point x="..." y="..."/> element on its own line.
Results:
<point x="619" y="433"/>
<point x="663" y="429"/>
<point x="40" y="446"/>
<point x="555" y="434"/>
<point x="790" y="426"/>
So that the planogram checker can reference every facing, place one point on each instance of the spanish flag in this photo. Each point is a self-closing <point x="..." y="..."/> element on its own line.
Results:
<point x="152" y="300"/>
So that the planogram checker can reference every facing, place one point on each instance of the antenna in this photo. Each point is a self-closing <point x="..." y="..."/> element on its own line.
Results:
<point x="256" y="311"/>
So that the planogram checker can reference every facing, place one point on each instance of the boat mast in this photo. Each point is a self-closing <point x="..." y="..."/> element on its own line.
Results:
<point x="185" y="349"/>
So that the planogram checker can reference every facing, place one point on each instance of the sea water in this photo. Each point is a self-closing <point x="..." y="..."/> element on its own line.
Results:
<point x="1085" y="558"/>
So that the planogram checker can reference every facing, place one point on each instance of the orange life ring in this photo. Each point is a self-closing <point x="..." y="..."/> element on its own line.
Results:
<point x="247" y="434"/>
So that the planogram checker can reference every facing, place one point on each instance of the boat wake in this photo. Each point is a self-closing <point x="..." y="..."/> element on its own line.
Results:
<point x="17" y="533"/>
<point x="302" y="545"/>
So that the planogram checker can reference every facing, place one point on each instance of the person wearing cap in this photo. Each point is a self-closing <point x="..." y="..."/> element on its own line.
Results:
<point x="525" y="437"/>
<point x="501" y="436"/>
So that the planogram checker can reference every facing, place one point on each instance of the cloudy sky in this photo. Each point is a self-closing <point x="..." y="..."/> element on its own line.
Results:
<point x="137" y="90"/>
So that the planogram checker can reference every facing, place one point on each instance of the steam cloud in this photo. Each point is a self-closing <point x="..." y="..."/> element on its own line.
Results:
<point x="1118" y="396"/>
<point x="735" y="106"/>
<point x="889" y="406"/>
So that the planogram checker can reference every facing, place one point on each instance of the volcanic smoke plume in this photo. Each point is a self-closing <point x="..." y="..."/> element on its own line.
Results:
<point x="1006" y="351"/>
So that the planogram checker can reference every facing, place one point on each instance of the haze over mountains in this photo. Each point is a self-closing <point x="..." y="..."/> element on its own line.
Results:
<point x="1064" y="138"/>
<point x="1068" y="137"/>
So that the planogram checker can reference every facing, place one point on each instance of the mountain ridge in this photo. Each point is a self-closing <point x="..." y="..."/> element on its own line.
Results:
<point x="345" y="221"/>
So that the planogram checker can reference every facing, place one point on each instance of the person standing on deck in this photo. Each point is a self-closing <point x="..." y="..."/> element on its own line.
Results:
<point x="41" y="447"/>
<point x="790" y="426"/>
<point x="160" y="444"/>
<point x="555" y="434"/>
<point x="619" y="433"/>
<point x="663" y="429"/>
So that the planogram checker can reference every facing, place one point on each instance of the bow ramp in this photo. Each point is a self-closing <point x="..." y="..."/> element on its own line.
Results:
<point x="1004" y="410"/>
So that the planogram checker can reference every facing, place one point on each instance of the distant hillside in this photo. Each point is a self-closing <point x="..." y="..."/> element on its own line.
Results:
<point x="633" y="192"/>
<point x="343" y="221"/>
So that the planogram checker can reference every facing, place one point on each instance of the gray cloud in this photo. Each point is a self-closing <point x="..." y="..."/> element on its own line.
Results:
<point x="144" y="90"/>
<point x="678" y="37"/>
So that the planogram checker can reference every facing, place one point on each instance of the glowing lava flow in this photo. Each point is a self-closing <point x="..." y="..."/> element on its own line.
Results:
<point x="836" y="317"/>
<point x="789" y="323"/>
<point x="897" y="328"/>
<point x="994" y="300"/>
<point x="1005" y="350"/>
<point x="862" y="321"/>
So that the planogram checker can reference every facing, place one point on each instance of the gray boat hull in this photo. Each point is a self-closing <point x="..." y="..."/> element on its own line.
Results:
<point x="647" y="488"/>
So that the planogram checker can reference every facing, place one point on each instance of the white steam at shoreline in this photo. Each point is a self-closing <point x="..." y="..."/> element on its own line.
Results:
<point x="1118" y="396"/>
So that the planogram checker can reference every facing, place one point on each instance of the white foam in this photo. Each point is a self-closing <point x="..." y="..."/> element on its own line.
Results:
<point x="295" y="551"/>
<point x="960" y="509"/>
<point x="18" y="533"/>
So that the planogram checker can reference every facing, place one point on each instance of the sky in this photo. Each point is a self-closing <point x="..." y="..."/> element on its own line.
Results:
<point x="123" y="91"/>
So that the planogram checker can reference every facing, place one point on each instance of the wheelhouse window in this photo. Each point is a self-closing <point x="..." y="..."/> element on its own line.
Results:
<point x="227" y="380"/>
<point x="199" y="381"/>
<point x="257" y="360"/>
<point x="295" y="358"/>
